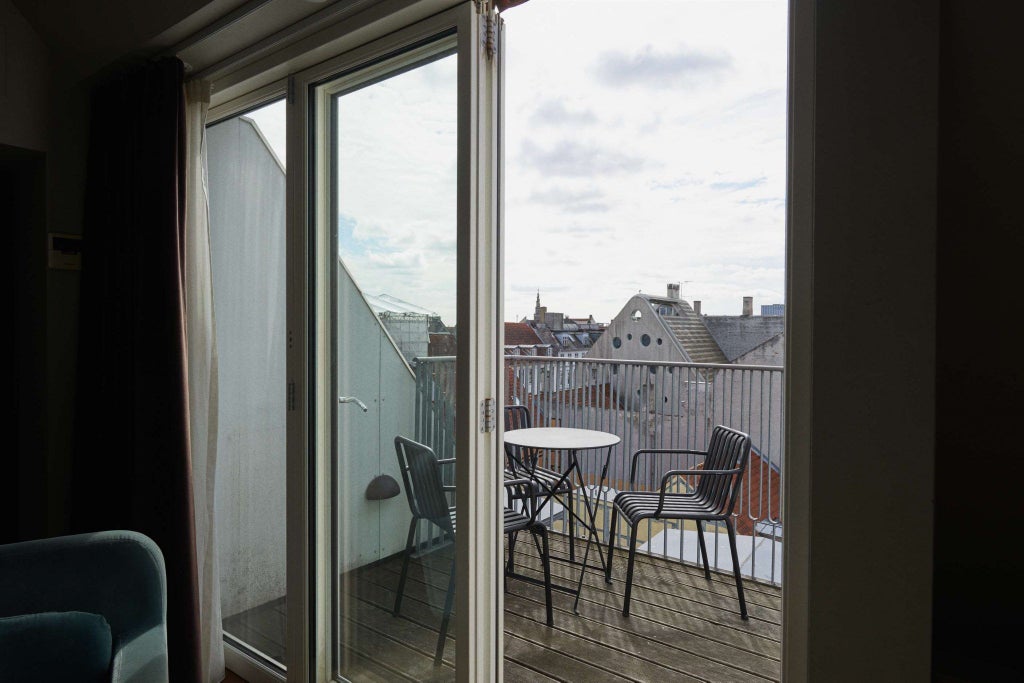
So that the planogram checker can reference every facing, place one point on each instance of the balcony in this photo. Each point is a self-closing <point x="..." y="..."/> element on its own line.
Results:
<point x="668" y="405"/>
<point x="682" y="627"/>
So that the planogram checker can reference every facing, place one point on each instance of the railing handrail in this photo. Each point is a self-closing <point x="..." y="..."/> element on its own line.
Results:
<point x="655" y="363"/>
<point x="434" y="359"/>
<point x="617" y="361"/>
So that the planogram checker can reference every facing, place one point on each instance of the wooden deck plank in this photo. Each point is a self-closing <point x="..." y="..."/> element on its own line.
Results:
<point x="669" y="573"/>
<point x="682" y="626"/>
<point x="262" y="627"/>
<point x="608" y="610"/>
<point x="672" y="573"/>
<point x="695" y="602"/>
<point x="414" y="608"/>
<point x="660" y="643"/>
<point x="666" y="645"/>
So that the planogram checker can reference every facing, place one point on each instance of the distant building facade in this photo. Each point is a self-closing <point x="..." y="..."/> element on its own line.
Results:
<point x="522" y="340"/>
<point x="416" y="331"/>
<point x="566" y="337"/>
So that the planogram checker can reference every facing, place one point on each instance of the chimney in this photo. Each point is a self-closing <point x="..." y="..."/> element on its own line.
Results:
<point x="696" y="307"/>
<point x="673" y="291"/>
<point x="748" y="306"/>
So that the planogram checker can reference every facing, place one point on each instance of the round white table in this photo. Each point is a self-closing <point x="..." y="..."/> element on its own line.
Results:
<point x="560" y="438"/>
<point x="570" y="440"/>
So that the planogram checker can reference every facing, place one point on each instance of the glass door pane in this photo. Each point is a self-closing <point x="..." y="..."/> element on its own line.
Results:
<point x="393" y="154"/>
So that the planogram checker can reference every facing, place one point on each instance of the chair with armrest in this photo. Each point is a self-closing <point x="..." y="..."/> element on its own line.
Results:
<point x="712" y="500"/>
<point x="85" y="607"/>
<point x="525" y="464"/>
<point x="427" y="496"/>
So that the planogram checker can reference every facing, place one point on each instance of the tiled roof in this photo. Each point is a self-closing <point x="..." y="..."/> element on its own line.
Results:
<point x="520" y="334"/>
<point x="740" y="334"/>
<point x="690" y="331"/>
<point x="547" y="336"/>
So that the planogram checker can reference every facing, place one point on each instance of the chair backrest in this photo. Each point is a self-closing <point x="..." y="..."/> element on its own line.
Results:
<point x="424" y="489"/>
<point x="729" y="449"/>
<point x="516" y="417"/>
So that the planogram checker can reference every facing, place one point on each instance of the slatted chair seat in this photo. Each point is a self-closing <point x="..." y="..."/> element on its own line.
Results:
<point x="547" y="478"/>
<point x="713" y="499"/>
<point x="637" y="505"/>
<point x="428" y="500"/>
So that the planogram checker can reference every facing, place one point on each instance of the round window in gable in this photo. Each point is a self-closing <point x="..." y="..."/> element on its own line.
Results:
<point x="636" y="315"/>
<point x="659" y="341"/>
<point x="617" y="342"/>
<point x="645" y="340"/>
<point x="629" y="337"/>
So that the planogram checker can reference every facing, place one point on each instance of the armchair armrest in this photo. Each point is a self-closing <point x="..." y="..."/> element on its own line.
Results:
<point x="523" y="483"/>
<point x="658" y="451"/>
<point x="678" y="473"/>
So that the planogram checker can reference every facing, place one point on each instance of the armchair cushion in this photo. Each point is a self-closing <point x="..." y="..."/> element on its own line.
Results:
<point x="55" y="646"/>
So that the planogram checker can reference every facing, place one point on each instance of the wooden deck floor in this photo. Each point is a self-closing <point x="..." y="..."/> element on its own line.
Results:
<point x="682" y="627"/>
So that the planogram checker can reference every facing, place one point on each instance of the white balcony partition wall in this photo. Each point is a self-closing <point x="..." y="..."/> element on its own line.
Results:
<point x="371" y="368"/>
<point x="247" y="219"/>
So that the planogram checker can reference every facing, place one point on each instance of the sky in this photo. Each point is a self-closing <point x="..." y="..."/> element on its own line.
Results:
<point x="643" y="147"/>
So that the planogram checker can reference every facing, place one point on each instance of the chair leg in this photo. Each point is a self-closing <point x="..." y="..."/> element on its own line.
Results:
<point x="545" y="559"/>
<point x="405" y="567"/>
<point x="736" y="567"/>
<point x="446" y="616"/>
<point x="703" y="549"/>
<point x="510" y="566"/>
<point x="572" y="527"/>
<point x="629" y="569"/>
<point x="611" y="544"/>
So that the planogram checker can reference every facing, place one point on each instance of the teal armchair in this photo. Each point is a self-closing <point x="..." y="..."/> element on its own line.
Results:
<point x="86" y="607"/>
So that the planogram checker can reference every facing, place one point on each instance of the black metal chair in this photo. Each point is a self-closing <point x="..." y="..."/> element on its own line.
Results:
<point x="518" y="417"/>
<point x="712" y="500"/>
<point x="427" y="496"/>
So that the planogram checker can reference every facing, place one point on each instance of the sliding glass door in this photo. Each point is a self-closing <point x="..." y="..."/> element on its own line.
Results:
<point x="393" y="303"/>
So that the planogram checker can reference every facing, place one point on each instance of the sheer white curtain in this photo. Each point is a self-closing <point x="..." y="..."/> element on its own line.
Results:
<point x="202" y="376"/>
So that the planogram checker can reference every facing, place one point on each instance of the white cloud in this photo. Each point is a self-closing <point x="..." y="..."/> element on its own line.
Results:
<point x="691" y="97"/>
<point x="646" y="144"/>
<point x="683" y="67"/>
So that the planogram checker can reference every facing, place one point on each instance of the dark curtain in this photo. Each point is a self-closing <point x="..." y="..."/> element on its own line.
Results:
<point x="131" y="463"/>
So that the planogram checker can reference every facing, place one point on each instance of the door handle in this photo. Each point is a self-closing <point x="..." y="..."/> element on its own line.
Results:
<point x="353" y="399"/>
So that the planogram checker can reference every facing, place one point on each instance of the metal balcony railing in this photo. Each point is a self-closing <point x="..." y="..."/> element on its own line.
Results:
<point x="648" y="405"/>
